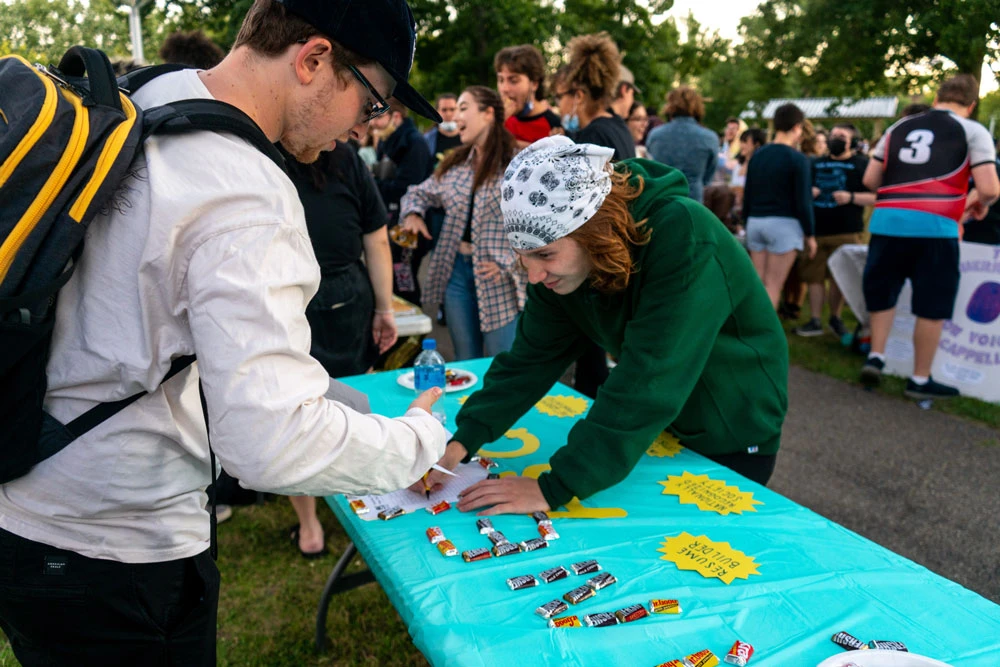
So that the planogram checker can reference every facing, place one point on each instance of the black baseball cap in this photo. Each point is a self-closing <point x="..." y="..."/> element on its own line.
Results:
<point x="383" y="30"/>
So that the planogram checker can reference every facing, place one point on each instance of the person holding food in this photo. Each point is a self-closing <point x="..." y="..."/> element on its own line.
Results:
<point x="473" y="271"/>
<point x="621" y="256"/>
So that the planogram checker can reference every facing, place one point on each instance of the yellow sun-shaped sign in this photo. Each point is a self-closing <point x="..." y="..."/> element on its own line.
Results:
<point x="710" y="495"/>
<point x="665" y="445"/>
<point x="708" y="558"/>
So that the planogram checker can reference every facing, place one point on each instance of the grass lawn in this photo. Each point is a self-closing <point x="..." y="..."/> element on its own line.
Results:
<point x="269" y="593"/>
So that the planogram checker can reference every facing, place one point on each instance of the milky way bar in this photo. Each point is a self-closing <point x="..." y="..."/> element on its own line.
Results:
<point x="550" y="609"/>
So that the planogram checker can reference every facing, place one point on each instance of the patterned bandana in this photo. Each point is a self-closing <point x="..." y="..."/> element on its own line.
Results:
<point x="551" y="188"/>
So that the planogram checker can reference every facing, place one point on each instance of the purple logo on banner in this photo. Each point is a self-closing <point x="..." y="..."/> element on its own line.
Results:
<point x="984" y="305"/>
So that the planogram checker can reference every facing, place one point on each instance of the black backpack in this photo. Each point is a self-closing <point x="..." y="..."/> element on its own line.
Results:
<point x="67" y="137"/>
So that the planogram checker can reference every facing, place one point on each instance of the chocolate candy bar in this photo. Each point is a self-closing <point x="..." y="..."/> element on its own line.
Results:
<point x="739" y="654"/>
<point x="485" y="526"/>
<point x="848" y="642"/>
<point x="447" y="548"/>
<point x="586" y="567"/>
<point x="550" y="609"/>
<point x="523" y="581"/>
<point x="442" y="506"/>
<point x="506" y="549"/>
<point x="600" y="619"/>
<point x="703" y="658"/>
<point x="887" y="645"/>
<point x="554" y="574"/>
<point x="493" y="475"/>
<point x="496" y="537"/>
<point x="533" y="544"/>
<point x="435" y="534"/>
<point x="603" y="580"/>
<point x="476" y="554"/>
<point x="547" y="531"/>
<point x="579" y="594"/>
<point x="565" y="622"/>
<point x="633" y="612"/>
<point x="391" y="513"/>
<point x="541" y="517"/>
<point x="664" y="606"/>
<point x="359" y="507"/>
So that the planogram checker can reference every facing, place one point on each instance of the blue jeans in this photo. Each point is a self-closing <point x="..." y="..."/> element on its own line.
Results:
<point x="462" y="311"/>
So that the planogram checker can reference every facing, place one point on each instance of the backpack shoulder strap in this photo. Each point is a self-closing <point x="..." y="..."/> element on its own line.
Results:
<point x="137" y="78"/>
<point x="212" y="115"/>
<point x="101" y="83"/>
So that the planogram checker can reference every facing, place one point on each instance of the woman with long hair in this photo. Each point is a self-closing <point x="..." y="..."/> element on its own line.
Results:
<point x="473" y="271"/>
<point x="622" y="256"/>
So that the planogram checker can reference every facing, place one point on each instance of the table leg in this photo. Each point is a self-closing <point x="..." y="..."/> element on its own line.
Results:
<point x="338" y="583"/>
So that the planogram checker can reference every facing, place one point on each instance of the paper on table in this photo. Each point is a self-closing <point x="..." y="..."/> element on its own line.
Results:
<point x="466" y="475"/>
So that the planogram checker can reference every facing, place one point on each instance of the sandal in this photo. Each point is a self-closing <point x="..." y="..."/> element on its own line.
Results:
<point x="293" y="534"/>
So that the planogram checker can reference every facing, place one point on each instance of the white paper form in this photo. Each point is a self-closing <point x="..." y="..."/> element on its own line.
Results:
<point x="467" y="474"/>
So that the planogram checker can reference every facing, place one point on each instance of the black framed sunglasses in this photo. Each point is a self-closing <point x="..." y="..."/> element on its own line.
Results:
<point x="372" y="109"/>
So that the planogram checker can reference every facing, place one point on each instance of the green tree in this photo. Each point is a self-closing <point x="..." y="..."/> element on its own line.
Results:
<point x="846" y="47"/>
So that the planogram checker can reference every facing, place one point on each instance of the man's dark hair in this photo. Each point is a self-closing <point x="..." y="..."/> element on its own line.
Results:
<point x="756" y="135"/>
<point x="959" y="89"/>
<point x="269" y="29"/>
<point x="914" y="109"/>
<point x="445" y="96"/>
<point x="523" y="59"/>
<point x="191" y="48"/>
<point x="732" y="119"/>
<point x="847" y="126"/>
<point x="787" y="116"/>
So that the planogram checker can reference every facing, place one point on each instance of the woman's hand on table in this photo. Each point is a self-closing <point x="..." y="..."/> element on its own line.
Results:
<point x="507" y="495"/>
<point x="453" y="455"/>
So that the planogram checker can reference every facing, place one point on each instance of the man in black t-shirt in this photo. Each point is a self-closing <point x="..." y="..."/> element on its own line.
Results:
<point x="839" y="198"/>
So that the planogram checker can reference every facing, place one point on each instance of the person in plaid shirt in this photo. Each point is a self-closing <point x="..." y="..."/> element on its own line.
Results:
<point x="473" y="270"/>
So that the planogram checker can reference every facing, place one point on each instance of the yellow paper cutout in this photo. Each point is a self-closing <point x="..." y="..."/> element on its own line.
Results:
<point x="709" y="559"/>
<point x="562" y="406"/>
<point x="710" y="495"/>
<point x="665" y="445"/>
<point x="574" y="508"/>
<point x="529" y="445"/>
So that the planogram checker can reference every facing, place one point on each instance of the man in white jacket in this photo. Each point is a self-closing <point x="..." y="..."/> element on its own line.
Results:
<point x="104" y="546"/>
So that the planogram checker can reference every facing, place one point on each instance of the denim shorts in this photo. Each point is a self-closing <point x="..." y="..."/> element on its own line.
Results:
<point x="775" y="234"/>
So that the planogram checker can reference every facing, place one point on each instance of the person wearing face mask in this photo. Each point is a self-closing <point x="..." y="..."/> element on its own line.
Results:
<point x="583" y="91"/>
<point x="444" y="136"/>
<point x="622" y="256"/>
<point x="839" y="198"/>
<point x="521" y="84"/>
<point x="473" y="273"/>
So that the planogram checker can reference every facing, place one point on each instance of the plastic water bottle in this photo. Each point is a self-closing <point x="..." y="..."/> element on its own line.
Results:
<point x="428" y="372"/>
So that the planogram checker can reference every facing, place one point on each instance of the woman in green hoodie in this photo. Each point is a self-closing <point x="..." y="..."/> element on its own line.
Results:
<point x="623" y="257"/>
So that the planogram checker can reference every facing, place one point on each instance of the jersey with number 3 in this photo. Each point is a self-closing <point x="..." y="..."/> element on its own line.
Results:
<point x="927" y="159"/>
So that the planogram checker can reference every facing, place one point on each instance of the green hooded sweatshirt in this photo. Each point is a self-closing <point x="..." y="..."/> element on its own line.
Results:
<point x="700" y="351"/>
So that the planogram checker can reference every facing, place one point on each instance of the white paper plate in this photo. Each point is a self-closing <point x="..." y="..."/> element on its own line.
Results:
<point x="406" y="381"/>
<point x="878" y="658"/>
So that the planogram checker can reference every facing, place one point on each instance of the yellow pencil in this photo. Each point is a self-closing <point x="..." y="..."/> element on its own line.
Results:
<point x="427" y="489"/>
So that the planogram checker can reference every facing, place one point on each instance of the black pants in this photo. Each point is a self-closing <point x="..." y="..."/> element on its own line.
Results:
<point x="60" y="608"/>
<point x="755" y="467"/>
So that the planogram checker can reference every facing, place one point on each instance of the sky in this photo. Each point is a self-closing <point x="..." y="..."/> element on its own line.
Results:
<point x="725" y="15"/>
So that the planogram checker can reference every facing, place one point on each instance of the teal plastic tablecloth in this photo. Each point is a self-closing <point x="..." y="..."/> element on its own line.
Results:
<point x="816" y="577"/>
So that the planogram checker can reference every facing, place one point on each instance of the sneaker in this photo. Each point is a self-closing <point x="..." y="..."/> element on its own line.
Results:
<point x="811" y="328"/>
<point x="871" y="372"/>
<point x="930" y="389"/>
<point x="837" y="327"/>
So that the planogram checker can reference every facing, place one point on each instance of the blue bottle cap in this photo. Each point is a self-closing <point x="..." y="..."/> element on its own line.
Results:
<point x="429" y="344"/>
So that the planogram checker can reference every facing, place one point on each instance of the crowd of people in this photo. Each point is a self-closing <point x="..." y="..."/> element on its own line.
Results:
<point x="565" y="222"/>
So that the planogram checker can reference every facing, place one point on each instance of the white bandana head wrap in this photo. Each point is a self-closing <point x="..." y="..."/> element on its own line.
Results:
<point x="551" y="188"/>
